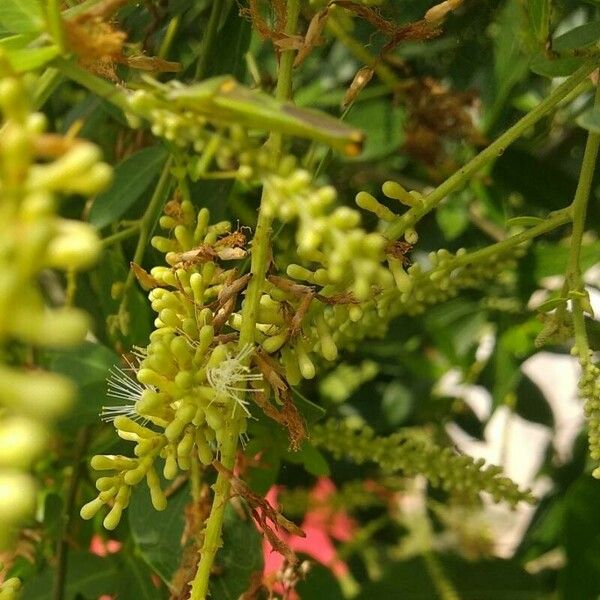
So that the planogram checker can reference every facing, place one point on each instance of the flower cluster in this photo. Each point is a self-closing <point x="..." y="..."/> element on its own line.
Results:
<point x="589" y="390"/>
<point x="412" y="453"/>
<point x="34" y="168"/>
<point x="185" y="391"/>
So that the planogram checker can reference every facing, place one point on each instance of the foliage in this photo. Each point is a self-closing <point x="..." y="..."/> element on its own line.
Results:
<point x="311" y="216"/>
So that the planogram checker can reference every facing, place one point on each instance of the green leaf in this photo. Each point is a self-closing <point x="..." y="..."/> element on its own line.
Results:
<point x="383" y="126"/>
<point x="590" y="120"/>
<point x="558" y="67"/>
<point x="453" y="216"/>
<point x="240" y="556"/>
<point x="88" y="576"/>
<point x="21" y="16"/>
<point x="551" y="304"/>
<point x="88" y="366"/>
<point x="478" y="580"/>
<point x="135" y="580"/>
<point x="578" y="37"/>
<point x="16" y="42"/>
<point x="28" y="59"/>
<point x="310" y="411"/>
<point x="311" y="459"/>
<point x="539" y="19"/>
<point x="133" y="176"/>
<point x="550" y="259"/>
<point x="581" y="576"/>
<point x="157" y="535"/>
<point x="397" y="402"/>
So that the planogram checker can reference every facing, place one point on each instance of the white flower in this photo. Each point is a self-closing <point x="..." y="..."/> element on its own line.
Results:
<point x="229" y="377"/>
<point x="122" y="385"/>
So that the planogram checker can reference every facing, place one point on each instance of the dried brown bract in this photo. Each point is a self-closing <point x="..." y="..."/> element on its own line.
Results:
<point x="262" y="512"/>
<point x="400" y="250"/>
<point x="288" y="416"/>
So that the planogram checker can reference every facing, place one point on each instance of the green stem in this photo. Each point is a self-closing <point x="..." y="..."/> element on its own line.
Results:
<point x="208" y="41"/>
<point x="357" y="48"/>
<point x="258" y="267"/>
<point x="120" y="236"/>
<point x="495" y="149"/>
<point x="46" y="84"/>
<point x="580" y="203"/>
<point x="442" y="584"/>
<point x="60" y="572"/>
<point x="98" y="86"/>
<point x="573" y="279"/>
<point x="556" y="219"/>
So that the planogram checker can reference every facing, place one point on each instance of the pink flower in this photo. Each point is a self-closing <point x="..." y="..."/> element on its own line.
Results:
<point x="321" y="524"/>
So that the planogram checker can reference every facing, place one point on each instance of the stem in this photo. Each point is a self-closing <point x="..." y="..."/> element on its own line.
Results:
<point x="580" y="203"/>
<point x="495" y="149"/>
<point x="62" y="550"/>
<point x="208" y="41"/>
<point x="46" y="84"/>
<point x="573" y="280"/>
<point x="556" y="219"/>
<point x="105" y="90"/>
<point x="358" y="49"/>
<point x="258" y="268"/>
<point x="120" y="235"/>
<point x="442" y="584"/>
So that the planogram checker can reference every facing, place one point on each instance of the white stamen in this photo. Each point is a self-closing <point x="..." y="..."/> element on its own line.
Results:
<point x="226" y="377"/>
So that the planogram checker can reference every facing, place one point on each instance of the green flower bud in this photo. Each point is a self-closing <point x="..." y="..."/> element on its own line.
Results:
<point x="17" y="496"/>
<point x="88" y="511"/>
<point x="75" y="246"/>
<point x="41" y="395"/>
<point x="113" y="518"/>
<point x="21" y="441"/>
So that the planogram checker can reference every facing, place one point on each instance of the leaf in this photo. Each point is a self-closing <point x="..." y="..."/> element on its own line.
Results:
<point x="28" y="59"/>
<point x="397" y="402"/>
<point x="21" y="16"/>
<point x="158" y="535"/>
<point x="311" y="459"/>
<point x="510" y="61"/>
<point x="558" y="67"/>
<point x="578" y="37"/>
<point x="135" y="580"/>
<point x="235" y="35"/>
<point x="382" y="124"/>
<point x="132" y="178"/>
<point x="581" y="576"/>
<point x="550" y="259"/>
<point x="88" y="576"/>
<point x="453" y="216"/>
<point x="240" y="556"/>
<point x="310" y="411"/>
<point x="88" y="366"/>
<point x="590" y="120"/>
<point x="539" y="19"/>
<point x="481" y="580"/>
